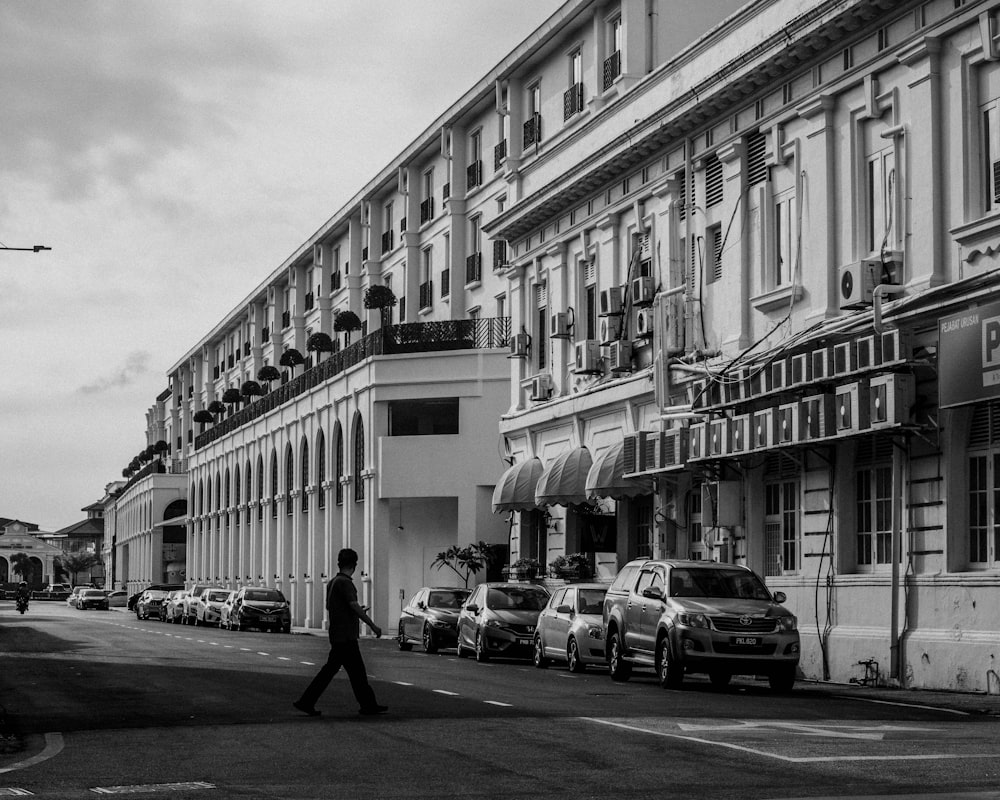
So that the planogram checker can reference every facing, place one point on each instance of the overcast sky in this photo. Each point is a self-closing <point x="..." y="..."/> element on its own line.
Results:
<point x="173" y="154"/>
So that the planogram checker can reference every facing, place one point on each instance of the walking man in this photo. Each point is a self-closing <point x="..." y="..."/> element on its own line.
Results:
<point x="345" y="615"/>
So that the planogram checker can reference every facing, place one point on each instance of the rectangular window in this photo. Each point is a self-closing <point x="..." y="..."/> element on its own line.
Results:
<point x="991" y="153"/>
<point x="713" y="237"/>
<point x="713" y="182"/>
<point x="781" y="529"/>
<point x="785" y="240"/>
<point x="880" y="179"/>
<point x="873" y="500"/>
<point x="437" y="417"/>
<point x="541" y="324"/>
<point x="573" y="96"/>
<point x="533" y="117"/>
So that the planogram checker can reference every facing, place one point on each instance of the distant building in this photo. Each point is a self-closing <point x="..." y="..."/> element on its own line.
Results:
<point x="24" y="537"/>
<point x="85" y="537"/>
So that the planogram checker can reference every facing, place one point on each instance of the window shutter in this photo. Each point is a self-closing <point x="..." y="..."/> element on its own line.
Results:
<point x="756" y="152"/>
<point x="985" y="427"/>
<point x="717" y="253"/>
<point x="996" y="182"/>
<point x="713" y="181"/>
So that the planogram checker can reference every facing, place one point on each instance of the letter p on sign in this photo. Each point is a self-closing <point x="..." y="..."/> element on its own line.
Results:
<point x="991" y="342"/>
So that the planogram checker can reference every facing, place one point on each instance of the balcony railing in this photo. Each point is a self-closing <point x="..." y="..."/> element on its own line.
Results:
<point x="612" y="68"/>
<point x="473" y="175"/>
<point x="499" y="253"/>
<point x="499" y="154"/>
<point x="310" y="301"/>
<point x="532" y="130"/>
<point x="474" y="268"/>
<point x="573" y="100"/>
<point x="426" y="210"/>
<point x="386" y="242"/>
<point x="426" y="294"/>
<point x="445" y="282"/>
<point x="412" y="337"/>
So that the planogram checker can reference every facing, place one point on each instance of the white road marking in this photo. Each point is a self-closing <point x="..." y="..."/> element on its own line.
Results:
<point x="53" y="747"/>
<point x="245" y="649"/>
<point x="497" y="703"/>
<point x="442" y="691"/>
<point x="402" y="683"/>
<point x="789" y="759"/>
<point x="282" y="658"/>
<point x="153" y="787"/>
<point x="904" y="705"/>
<point x="262" y="654"/>
<point x="308" y="663"/>
<point x="832" y="731"/>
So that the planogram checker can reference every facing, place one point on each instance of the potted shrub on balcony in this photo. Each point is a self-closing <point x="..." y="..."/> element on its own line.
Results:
<point x="382" y="298"/>
<point x="319" y="343"/>
<point x="268" y="373"/>
<point x="572" y="567"/>
<point x="291" y="358"/>
<point x="204" y="417"/>
<point x="250" y="390"/>
<point x="231" y="396"/>
<point x="525" y="569"/>
<point x="161" y="448"/>
<point x="345" y="322"/>
<point x="216" y="407"/>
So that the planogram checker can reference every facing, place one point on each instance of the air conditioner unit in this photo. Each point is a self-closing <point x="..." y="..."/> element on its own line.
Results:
<point x="588" y="356"/>
<point x="560" y="325"/>
<point x="890" y="399"/>
<point x="739" y="434"/>
<point x="778" y="374"/>
<point x="800" y="372"/>
<point x="620" y="356"/>
<point x="643" y="291"/>
<point x="696" y="441"/>
<point x="644" y="323"/>
<point x="697" y="392"/>
<point x="541" y="386"/>
<point x="753" y="379"/>
<point x="895" y="347"/>
<point x="649" y="454"/>
<point x="822" y="364"/>
<point x="852" y="408"/>
<point x="857" y="281"/>
<point x="864" y="352"/>
<point x="786" y="423"/>
<point x="844" y="359"/>
<point x="674" y="448"/>
<point x="718" y="437"/>
<point x="762" y="429"/>
<point x="520" y="344"/>
<point x="816" y="417"/>
<point x="610" y="329"/>
<point x="733" y="387"/>
<point x="630" y="453"/>
<point x="610" y="301"/>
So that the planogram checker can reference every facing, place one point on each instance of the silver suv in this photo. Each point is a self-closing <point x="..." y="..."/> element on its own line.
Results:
<point x="698" y="616"/>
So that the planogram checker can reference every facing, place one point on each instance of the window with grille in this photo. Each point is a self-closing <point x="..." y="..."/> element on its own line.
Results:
<point x="991" y="154"/>
<point x="756" y="155"/>
<point x="713" y="181"/>
<point x="274" y="485"/>
<point x="781" y="516"/>
<point x="713" y="236"/>
<point x="697" y="547"/>
<point x="338" y="455"/>
<point x="984" y="487"/>
<point x="880" y="190"/>
<point x="541" y="324"/>
<point x="873" y="503"/>
<point x="785" y="240"/>
<point x="359" y="461"/>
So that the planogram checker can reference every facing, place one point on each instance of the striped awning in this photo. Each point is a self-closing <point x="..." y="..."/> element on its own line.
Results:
<point x="606" y="476"/>
<point x="564" y="481"/>
<point x="515" y="490"/>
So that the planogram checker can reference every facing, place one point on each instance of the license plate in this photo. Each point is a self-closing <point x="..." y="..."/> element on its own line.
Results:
<point x="746" y="641"/>
<point x="267" y="619"/>
<point x="524" y="641"/>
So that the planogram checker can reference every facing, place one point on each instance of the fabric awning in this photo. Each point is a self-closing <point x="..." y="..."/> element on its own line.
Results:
<point x="564" y="481"/>
<point x="606" y="476"/>
<point x="181" y="520"/>
<point x="515" y="491"/>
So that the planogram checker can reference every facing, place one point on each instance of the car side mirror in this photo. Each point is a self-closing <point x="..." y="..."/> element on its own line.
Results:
<point x="472" y="609"/>
<point x="779" y="597"/>
<point x="422" y="605"/>
<point x="653" y="593"/>
<point x="564" y="609"/>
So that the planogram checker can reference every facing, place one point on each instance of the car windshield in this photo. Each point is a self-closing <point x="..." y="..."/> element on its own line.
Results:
<point x="591" y="601"/>
<point x="736" y="583"/>
<point x="217" y="597"/>
<point x="447" y="599"/>
<point x="264" y="596"/>
<point x="94" y="593"/>
<point x="517" y="598"/>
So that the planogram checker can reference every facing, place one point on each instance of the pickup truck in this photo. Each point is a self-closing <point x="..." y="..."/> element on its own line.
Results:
<point x="683" y="617"/>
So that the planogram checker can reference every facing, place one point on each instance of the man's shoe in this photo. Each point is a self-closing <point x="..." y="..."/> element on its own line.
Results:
<point x="373" y="710"/>
<point x="312" y="712"/>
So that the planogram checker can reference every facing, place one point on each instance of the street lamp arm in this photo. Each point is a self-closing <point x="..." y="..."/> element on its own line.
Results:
<point x="33" y="249"/>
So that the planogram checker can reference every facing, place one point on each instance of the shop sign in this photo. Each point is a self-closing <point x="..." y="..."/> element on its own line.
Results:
<point x="969" y="356"/>
<point x="598" y="533"/>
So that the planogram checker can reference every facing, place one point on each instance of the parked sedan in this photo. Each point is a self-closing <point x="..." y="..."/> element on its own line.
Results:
<point x="74" y="596"/>
<point x="571" y="629"/>
<point x="189" y="603"/>
<point x="173" y="606"/>
<point x="92" y="598"/>
<point x="117" y="598"/>
<point x="208" y="610"/>
<point x="431" y="618"/>
<point x="150" y="604"/>
<point x="259" y="607"/>
<point x="499" y="619"/>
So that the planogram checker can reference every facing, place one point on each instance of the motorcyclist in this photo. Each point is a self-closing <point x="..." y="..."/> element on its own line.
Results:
<point x="23" y="594"/>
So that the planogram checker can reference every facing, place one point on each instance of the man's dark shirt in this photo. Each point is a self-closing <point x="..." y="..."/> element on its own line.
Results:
<point x="344" y="623"/>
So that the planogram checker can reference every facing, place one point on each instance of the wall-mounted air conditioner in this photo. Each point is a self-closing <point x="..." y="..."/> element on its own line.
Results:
<point x="890" y="399"/>
<point x="644" y="323"/>
<point x="857" y="281"/>
<point x="762" y="429"/>
<point x="852" y="408"/>
<point x="816" y="417"/>
<point x="674" y="448"/>
<point x="753" y="379"/>
<point x="800" y="369"/>
<point x="588" y="357"/>
<point x="541" y="386"/>
<point x="610" y="301"/>
<point x="777" y="375"/>
<point x="864" y="352"/>
<point x="739" y="434"/>
<point x="560" y="325"/>
<point x="697" y="394"/>
<point x="718" y="437"/>
<point x="630" y="452"/>
<point x="822" y="364"/>
<point x="520" y="344"/>
<point x="844" y="359"/>
<point x="649" y="453"/>
<point x="895" y="347"/>
<point x="643" y="291"/>
<point x="696" y="441"/>
<point x="733" y="386"/>
<point x="609" y="329"/>
<point x="620" y="356"/>
<point x="786" y="423"/>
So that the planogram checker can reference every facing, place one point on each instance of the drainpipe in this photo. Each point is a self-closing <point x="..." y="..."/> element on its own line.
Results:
<point x="895" y="665"/>
<point x="882" y="288"/>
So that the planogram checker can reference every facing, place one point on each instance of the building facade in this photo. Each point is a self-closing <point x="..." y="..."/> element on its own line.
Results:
<point x="744" y="274"/>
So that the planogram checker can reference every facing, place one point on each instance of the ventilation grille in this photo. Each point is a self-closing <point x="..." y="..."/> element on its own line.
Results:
<point x="985" y="429"/>
<point x="713" y="181"/>
<point x="756" y="153"/>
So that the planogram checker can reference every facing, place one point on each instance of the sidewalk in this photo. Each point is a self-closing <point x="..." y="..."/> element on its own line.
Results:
<point x="963" y="702"/>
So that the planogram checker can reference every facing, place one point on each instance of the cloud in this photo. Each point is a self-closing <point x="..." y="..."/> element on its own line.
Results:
<point x="136" y="365"/>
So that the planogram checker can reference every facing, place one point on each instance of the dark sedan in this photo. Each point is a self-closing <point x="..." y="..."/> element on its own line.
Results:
<point x="499" y="619"/>
<point x="431" y="618"/>
<point x="93" y="598"/>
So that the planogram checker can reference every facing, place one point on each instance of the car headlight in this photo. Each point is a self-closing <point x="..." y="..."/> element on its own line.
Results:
<point x="788" y="622"/>
<point x="440" y="623"/>
<point x="495" y="623"/>
<point x="692" y="620"/>
<point x="595" y="632"/>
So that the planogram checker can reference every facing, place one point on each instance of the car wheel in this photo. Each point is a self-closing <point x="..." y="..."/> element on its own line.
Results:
<point x="538" y="656"/>
<point x="720" y="680"/>
<point x="669" y="672"/>
<point x="618" y="667"/>
<point x="481" y="653"/>
<point x="573" y="660"/>
<point x="427" y="640"/>
<point x="404" y="645"/>
<point x="234" y="625"/>
<point x="783" y="680"/>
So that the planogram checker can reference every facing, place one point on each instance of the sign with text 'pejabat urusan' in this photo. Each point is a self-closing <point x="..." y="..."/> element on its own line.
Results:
<point x="969" y="356"/>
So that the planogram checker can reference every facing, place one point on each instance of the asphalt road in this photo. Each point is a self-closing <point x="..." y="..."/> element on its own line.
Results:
<point x="100" y="703"/>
